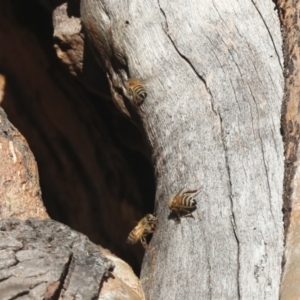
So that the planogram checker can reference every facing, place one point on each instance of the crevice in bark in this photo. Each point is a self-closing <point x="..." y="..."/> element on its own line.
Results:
<point x="269" y="33"/>
<point x="289" y="174"/>
<point x="63" y="279"/>
<point x="5" y="278"/>
<point x="233" y="222"/>
<point x="213" y="4"/>
<point x="186" y="59"/>
<point x="264" y="160"/>
<point x="235" y="96"/>
<point x="267" y="176"/>
<point x="289" y="132"/>
<point x="10" y="266"/>
<point x="19" y="295"/>
<point x="109" y="274"/>
<point x="289" y="125"/>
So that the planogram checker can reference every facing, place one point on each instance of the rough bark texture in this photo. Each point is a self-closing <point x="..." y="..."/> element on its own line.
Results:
<point x="212" y="115"/>
<point x="89" y="179"/>
<point x="20" y="194"/>
<point x="48" y="260"/>
<point x="288" y="12"/>
<point x="72" y="51"/>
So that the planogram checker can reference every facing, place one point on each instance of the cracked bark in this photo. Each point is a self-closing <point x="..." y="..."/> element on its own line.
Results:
<point x="234" y="228"/>
<point x="52" y="256"/>
<point x="288" y="13"/>
<point x="212" y="117"/>
<point x="275" y="44"/>
<point x="43" y="259"/>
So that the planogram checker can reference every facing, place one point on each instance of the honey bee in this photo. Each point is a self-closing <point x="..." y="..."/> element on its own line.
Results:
<point x="145" y="226"/>
<point x="136" y="90"/>
<point x="183" y="203"/>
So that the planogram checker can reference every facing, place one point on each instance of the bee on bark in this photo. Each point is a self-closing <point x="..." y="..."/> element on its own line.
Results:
<point x="183" y="203"/>
<point x="144" y="227"/>
<point x="136" y="90"/>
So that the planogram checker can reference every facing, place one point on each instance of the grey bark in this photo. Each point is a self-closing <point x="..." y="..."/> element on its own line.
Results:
<point x="48" y="260"/>
<point x="213" y="73"/>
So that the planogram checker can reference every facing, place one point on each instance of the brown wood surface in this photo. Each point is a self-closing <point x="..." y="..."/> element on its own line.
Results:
<point x="288" y="13"/>
<point x="20" y="193"/>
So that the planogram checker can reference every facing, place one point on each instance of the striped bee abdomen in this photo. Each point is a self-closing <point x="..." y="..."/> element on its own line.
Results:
<point x="183" y="203"/>
<point x="188" y="201"/>
<point x="140" y="93"/>
<point x="136" y="90"/>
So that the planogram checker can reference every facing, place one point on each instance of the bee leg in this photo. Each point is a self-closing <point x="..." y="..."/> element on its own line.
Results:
<point x="149" y="231"/>
<point x="187" y="213"/>
<point x="190" y="215"/>
<point x="144" y="243"/>
<point x="153" y="228"/>
<point x="178" y="216"/>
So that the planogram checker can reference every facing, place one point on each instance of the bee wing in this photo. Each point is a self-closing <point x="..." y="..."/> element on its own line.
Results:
<point x="148" y="79"/>
<point x="135" y="235"/>
<point x="180" y="192"/>
<point x="195" y="192"/>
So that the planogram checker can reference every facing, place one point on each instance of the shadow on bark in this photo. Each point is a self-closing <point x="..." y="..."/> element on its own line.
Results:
<point x="90" y="179"/>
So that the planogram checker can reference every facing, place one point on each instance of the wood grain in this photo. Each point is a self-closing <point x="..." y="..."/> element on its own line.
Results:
<point x="212" y="116"/>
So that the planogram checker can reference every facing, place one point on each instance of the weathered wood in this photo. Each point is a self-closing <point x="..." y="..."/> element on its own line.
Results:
<point x="47" y="260"/>
<point x="74" y="53"/>
<point x="288" y="12"/>
<point x="212" y="115"/>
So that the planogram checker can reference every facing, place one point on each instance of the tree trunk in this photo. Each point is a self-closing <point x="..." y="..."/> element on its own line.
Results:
<point x="214" y="77"/>
<point x="288" y="12"/>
